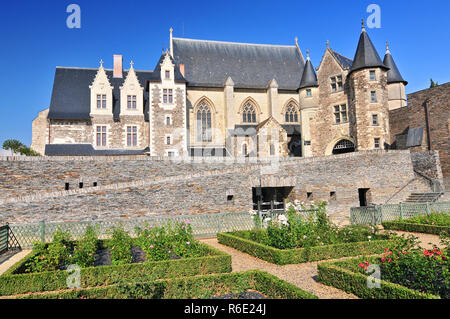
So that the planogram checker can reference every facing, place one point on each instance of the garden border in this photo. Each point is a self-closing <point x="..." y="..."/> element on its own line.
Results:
<point x="193" y="287"/>
<point x="415" y="227"/>
<point x="331" y="274"/>
<point x="12" y="283"/>
<point x="301" y="255"/>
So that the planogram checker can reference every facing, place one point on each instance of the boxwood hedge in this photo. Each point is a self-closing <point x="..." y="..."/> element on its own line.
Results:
<point x="14" y="282"/>
<point x="300" y="255"/>
<point x="416" y="228"/>
<point x="205" y="286"/>
<point x="339" y="274"/>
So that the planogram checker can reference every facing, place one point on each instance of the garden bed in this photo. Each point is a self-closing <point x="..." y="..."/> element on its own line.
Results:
<point x="277" y="256"/>
<point x="160" y="252"/>
<point x="231" y="285"/>
<point x="434" y="223"/>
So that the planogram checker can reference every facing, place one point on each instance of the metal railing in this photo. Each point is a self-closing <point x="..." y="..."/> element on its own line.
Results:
<point x="379" y="213"/>
<point x="7" y="239"/>
<point x="202" y="225"/>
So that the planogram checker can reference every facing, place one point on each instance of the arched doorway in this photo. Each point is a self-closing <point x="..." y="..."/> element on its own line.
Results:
<point x="343" y="146"/>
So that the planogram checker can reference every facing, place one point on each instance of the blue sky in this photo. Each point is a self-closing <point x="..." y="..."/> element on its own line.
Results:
<point x="35" y="39"/>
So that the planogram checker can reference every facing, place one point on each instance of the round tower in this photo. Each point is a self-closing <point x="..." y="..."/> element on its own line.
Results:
<point x="368" y="107"/>
<point x="395" y="82"/>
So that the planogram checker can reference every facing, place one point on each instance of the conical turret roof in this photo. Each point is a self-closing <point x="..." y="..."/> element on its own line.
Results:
<point x="309" y="77"/>
<point x="366" y="55"/>
<point x="393" y="75"/>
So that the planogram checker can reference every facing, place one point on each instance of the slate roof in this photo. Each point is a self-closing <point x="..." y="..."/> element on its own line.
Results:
<point x="393" y="75"/>
<point x="309" y="77"/>
<point x="344" y="62"/>
<point x="71" y="96"/>
<point x="210" y="63"/>
<point x="157" y="70"/>
<point x="366" y="55"/>
<point x="86" y="150"/>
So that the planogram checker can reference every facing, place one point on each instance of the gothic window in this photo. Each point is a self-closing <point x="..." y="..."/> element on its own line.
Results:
<point x="131" y="135"/>
<point x="340" y="114"/>
<point x="203" y="133"/>
<point x="101" y="101"/>
<point x="131" y="102"/>
<point x="291" y="114"/>
<point x="101" y="135"/>
<point x="249" y="113"/>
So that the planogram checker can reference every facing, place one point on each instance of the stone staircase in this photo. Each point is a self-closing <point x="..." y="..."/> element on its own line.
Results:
<point x="423" y="197"/>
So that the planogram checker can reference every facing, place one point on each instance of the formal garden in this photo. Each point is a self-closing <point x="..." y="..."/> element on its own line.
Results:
<point x="168" y="261"/>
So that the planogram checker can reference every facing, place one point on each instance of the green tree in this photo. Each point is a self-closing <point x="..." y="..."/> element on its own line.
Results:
<point x="433" y="84"/>
<point x="18" y="147"/>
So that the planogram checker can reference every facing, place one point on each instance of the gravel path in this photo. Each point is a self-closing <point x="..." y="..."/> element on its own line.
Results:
<point x="301" y="275"/>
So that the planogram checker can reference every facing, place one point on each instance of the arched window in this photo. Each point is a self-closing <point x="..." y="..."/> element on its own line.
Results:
<point x="203" y="123"/>
<point x="343" y="146"/>
<point x="249" y="113"/>
<point x="291" y="114"/>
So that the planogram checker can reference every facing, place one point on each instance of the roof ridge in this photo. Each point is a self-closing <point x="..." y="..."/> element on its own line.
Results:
<point x="241" y="43"/>
<point x="96" y="69"/>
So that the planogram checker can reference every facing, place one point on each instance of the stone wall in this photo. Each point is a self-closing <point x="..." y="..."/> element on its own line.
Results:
<point x="414" y="115"/>
<point x="161" y="187"/>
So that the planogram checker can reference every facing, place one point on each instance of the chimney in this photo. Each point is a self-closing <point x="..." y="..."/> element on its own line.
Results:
<point x="182" y="69"/>
<point x="118" y="66"/>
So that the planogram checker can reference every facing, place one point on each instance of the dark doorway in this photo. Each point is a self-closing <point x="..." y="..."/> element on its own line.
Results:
<point x="343" y="146"/>
<point x="363" y="196"/>
<point x="295" y="145"/>
<point x="270" y="198"/>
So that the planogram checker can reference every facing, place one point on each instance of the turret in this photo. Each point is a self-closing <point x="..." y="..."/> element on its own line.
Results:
<point x="395" y="82"/>
<point x="369" y="107"/>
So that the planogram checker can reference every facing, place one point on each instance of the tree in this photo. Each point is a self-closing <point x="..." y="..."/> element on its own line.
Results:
<point x="433" y="84"/>
<point x="18" y="147"/>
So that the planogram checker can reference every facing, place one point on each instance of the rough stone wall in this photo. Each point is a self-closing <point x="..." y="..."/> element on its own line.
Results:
<point x="70" y="132"/>
<point x="40" y="132"/>
<point x="413" y="116"/>
<point x="324" y="130"/>
<point x="171" y="188"/>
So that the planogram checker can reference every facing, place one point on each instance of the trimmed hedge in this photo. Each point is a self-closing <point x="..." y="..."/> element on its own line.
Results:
<point x="339" y="275"/>
<point x="13" y="282"/>
<point x="190" y="288"/>
<point x="416" y="228"/>
<point x="301" y="255"/>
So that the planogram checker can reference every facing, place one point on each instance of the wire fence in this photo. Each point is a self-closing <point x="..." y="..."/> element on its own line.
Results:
<point x="202" y="225"/>
<point x="377" y="214"/>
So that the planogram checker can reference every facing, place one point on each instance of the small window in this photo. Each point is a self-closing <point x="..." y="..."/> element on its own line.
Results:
<point x="244" y="149"/>
<point x="168" y="120"/>
<point x="171" y="154"/>
<point x="375" y="119"/>
<point x="373" y="96"/>
<point x="131" y="135"/>
<point x="168" y="140"/>
<point x="167" y="96"/>
<point x="308" y="93"/>
<point x="340" y="114"/>
<point x="333" y="196"/>
<point x="230" y="198"/>
<point x="101" y="101"/>
<point x="167" y="74"/>
<point x="309" y="195"/>
<point x="376" y="142"/>
<point x="372" y="76"/>
<point x="101" y="135"/>
<point x="336" y="83"/>
<point x="131" y="102"/>
<point x="272" y="150"/>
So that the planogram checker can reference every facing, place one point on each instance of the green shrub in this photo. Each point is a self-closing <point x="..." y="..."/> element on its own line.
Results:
<point x="120" y="246"/>
<point x="434" y="218"/>
<point x="85" y="248"/>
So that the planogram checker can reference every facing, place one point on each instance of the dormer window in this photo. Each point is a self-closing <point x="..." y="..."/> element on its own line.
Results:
<point x="131" y="102"/>
<point x="167" y="74"/>
<point x="167" y="96"/>
<point x="101" y="101"/>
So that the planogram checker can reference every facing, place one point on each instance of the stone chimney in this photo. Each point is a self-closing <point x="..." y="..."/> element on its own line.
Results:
<point x="182" y="69"/>
<point x="118" y="66"/>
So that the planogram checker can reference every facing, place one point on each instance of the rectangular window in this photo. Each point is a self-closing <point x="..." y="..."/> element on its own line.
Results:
<point x="372" y="76"/>
<point x="376" y="142"/>
<point x="131" y="135"/>
<point x="167" y="96"/>
<point x="308" y="93"/>
<point x="171" y="154"/>
<point x="373" y="96"/>
<point x="336" y="83"/>
<point x="168" y="120"/>
<point x="340" y="113"/>
<point x="101" y="135"/>
<point x="101" y="101"/>
<point x="375" y="119"/>
<point x="168" y="141"/>
<point x="167" y="74"/>
<point x="131" y="102"/>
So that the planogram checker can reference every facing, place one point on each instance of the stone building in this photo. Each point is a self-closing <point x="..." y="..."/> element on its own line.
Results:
<point x="210" y="98"/>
